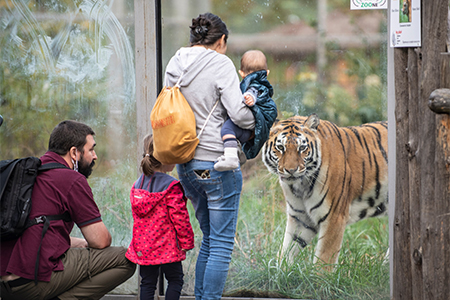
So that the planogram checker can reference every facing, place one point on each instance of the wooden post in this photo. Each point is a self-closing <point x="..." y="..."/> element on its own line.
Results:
<point x="401" y="228"/>
<point x="422" y="211"/>
<point x="439" y="101"/>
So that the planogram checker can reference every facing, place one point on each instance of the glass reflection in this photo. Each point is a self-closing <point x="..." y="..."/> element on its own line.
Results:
<point x="324" y="59"/>
<point x="73" y="60"/>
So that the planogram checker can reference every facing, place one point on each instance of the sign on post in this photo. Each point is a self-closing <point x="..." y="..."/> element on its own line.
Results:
<point x="368" y="4"/>
<point x="405" y="22"/>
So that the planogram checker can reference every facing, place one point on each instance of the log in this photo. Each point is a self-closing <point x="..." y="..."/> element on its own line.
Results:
<point x="439" y="101"/>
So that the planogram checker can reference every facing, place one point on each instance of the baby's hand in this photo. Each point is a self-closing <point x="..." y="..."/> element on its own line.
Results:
<point x="249" y="100"/>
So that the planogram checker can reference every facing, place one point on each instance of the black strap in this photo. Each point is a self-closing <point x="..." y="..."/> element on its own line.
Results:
<point x="46" y="220"/>
<point x="18" y="282"/>
<point x="51" y="166"/>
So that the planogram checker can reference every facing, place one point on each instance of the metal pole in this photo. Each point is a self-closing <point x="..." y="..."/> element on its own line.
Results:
<point x="391" y="146"/>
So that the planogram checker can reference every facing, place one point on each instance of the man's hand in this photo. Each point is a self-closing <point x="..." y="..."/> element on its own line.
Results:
<point x="77" y="242"/>
<point x="97" y="235"/>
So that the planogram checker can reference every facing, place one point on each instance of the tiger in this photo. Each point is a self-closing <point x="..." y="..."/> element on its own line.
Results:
<point x="406" y="9"/>
<point x="330" y="176"/>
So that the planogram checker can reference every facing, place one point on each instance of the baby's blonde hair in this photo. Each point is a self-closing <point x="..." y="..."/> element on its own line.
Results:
<point x="252" y="61"/>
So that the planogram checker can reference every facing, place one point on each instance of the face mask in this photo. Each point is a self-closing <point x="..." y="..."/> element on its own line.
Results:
<point x="75" y="163"/>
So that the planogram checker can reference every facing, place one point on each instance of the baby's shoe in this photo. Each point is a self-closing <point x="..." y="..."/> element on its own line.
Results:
<point x="228" y="161"/>
<point x="241" y="154"/>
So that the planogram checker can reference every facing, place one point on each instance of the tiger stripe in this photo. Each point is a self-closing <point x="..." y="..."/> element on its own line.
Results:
<point x="331" y="176"/>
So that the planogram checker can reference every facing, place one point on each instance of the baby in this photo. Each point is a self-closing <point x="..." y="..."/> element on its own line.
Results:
<point x="257" y="94"/>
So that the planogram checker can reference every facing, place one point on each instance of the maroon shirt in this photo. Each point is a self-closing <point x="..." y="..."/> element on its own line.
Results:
<point x="55" y="192"/>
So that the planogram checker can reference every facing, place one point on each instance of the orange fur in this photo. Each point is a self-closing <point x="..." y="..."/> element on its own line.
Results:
<point x="331" y="176"/>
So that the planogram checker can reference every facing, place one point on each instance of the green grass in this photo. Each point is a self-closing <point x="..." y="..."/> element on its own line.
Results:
<point x="361" y="273"/>
<point x="255" y="271"/>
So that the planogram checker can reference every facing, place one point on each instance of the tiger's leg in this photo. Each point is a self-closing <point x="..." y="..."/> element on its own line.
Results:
<point x="329" y="243"/>
<point x="299" y="233"/>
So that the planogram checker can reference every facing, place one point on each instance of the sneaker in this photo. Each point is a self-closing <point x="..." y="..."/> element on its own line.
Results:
<point x="226" y="163"/>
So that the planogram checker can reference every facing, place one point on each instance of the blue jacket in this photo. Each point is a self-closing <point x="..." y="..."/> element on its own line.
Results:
<point x="264" y="110"/>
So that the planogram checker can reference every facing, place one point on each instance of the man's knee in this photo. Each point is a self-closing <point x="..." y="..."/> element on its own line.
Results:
<point x="128" y="266"/>
<point x="113" y="258"/>
<point x="131" y="267"/>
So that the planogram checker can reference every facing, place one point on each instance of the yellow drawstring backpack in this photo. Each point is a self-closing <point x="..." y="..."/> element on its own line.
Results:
<point x="174" y="127"/>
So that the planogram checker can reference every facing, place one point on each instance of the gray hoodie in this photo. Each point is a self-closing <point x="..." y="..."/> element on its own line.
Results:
<point x="209" y="76"/>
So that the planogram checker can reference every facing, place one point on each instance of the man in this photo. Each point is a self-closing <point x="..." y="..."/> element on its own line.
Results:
<point x="68" y="267"/>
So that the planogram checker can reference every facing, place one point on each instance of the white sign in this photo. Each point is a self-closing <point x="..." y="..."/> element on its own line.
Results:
<point x="405" y="23"/>
<point x="368" y="4"/>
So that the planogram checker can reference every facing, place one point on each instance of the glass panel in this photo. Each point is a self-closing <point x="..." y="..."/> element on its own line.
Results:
<point x="340" y="75"/>
<point x="73" y="60"/>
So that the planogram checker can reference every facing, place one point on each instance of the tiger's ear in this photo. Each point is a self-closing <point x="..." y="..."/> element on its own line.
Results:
<point x="274" y="129"/>
<point x="275" y="123"/>
<point x="312" y="122"/>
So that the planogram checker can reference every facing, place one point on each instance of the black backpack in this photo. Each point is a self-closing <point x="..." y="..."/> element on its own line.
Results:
<point x="17" y="177"/>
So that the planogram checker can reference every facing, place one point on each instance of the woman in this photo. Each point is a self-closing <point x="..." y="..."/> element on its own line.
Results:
<point x="209" y="77"/>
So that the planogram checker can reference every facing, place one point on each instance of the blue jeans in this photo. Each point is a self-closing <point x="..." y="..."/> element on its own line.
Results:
<point x="215" y="197"/>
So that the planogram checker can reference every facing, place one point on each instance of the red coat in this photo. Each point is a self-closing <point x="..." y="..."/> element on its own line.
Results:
<point x="161" y="226"/>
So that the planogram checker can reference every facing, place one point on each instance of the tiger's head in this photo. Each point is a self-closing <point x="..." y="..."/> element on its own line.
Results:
<point x="293" y="148"/>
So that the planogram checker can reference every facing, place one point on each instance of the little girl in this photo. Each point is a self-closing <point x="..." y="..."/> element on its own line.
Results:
<point x="162" y="232"/>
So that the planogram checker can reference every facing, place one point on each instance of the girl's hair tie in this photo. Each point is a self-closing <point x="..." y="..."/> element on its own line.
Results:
<point x="147" y="154"/>
<point x="202" y="30"/>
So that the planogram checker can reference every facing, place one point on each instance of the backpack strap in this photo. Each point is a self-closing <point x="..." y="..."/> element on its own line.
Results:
<point x="179" y="79"/>
<point x="51" y="166"/>
<point x="207" y="119"/>
<point x="178" y="86"/>
<point x="46" y="219"/>
<point x="210" y="113"/>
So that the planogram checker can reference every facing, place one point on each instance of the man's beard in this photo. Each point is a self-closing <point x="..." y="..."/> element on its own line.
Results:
<point x="85" y="168"/>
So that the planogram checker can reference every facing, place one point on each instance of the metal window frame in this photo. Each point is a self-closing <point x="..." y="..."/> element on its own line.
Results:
<point x="391" y="146"/>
